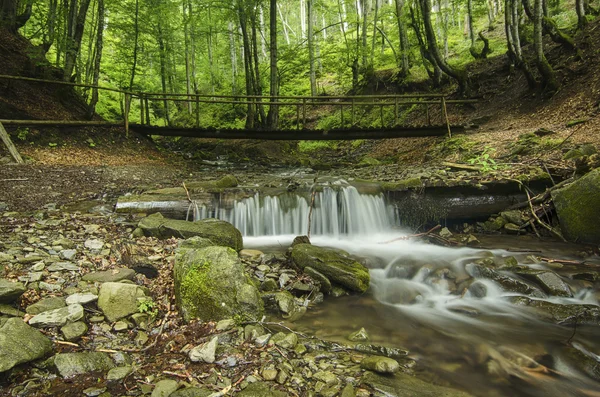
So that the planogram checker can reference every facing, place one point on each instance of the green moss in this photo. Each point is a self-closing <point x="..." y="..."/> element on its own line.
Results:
<point x="197" y="291"/>
<point x="313" y="146"/>
<point x="228" y="181"/>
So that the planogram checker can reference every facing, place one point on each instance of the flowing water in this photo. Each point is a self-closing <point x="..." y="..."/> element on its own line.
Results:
<point x="462" y="332"/>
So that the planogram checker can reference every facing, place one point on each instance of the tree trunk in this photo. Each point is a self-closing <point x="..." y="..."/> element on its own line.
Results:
<point x="233" y="58"/>
<point x="311" y="49"/>
<point x="284" y="25"/>
<point x="548" y="78"/>
<point x="403" y="36"/>
<point x="50" y="35"/>
<point x="136" y="35"/>
<point x="514" y="41"/>
<point x="581" y="19"/>
<point x="163" y="69"/>
<point x="273" y="116"/>
<point x="97" y="60"/>
<point x="74" y="40"/>
<point x="550" y="28"/>
<point x="186" y="45"/>
<point x="375" y="16"/>
<point x="436" y="73"/>
<point x="8" y="15"/>
<point x="459" y="75"/>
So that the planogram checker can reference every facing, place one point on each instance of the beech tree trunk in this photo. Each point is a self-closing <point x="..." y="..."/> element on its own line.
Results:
<point x="97" y="60"/>
<point x="548" y="78"/>
<point x="311" y="48"/>
<point x="273" y="116"/>
<point x="74" y="37"/>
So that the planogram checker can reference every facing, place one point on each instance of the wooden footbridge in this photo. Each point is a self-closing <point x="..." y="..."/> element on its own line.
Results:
<point x="139" y="114"/>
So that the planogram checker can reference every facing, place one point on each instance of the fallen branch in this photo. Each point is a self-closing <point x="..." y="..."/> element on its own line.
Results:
<point x="540" y="198"/>
<point x="187" y="192"/>
<point x="60" y="342"/>
<point x="561" y="261"/>
<point x="433" y="229"/>
<point x="544" y="224"/>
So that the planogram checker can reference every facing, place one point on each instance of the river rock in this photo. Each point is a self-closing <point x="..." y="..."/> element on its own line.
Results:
<point x="10" y="291"/>
<point x="403" y="385"/>
<point x="570" y="314"/>
<point x="10" y="310"/>
<point x="70" y="364"/>
<point x="113" y="275"/>
<point x="205" y="352"/>
<point x="20" y="343"/>
<point x="164" y="388"/>
<point x="195" y="242"/>
<point x="317" y="276"/>
<point x="379" y="364"/>
<point x="359" y="336"/>
<point x="118" y="300"/>
<point x="549" y="281"/>
<point x="63" y="266"/>
<point x="219" y="232"/>
<point x="74" y="331"/>
<point x="578" y="206"/>
<point x="581" y="358"/>
<point x="512" y="216"/>
<point x="286" y="341"/>
<point x="507" y="281"/>
<point x="260" y="389"/>
<point x="58" y="317"/>
<point x="118" y="373"/>
<point x="210" y="284"/>
<point x="46" y="304"/>
<point x="193" y="392"/>
<point x="336" y="265"/>
<point x="81" y="298"/>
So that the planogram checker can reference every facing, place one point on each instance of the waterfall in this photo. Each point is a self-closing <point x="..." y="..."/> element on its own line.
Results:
<point x="336" y="212"/>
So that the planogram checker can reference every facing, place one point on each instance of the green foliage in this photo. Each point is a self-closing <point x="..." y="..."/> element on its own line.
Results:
<point x="148" y="306"/>
<point x="484" y="160"/>
<point x="53" y="144"/>
<point x="312" y="146"/>
<point x="22" y="133"/>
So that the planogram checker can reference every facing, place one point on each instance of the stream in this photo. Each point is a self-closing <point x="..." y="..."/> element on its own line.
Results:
<point x="464" y="314"/>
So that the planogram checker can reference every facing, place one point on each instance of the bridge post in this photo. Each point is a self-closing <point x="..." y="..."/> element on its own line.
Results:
<point x="427" y="114"/>
<point x="141" y="108"/>
<point x="395" y="111"/>
<point x="197" y="111"/>
<point x="147" y="107"/>
<point x="381" y="114"/>
<point x="352" y="116"/>
<point x="342" y="115"/>
<point x="303" y="112"/>
<point x="126" y="113"/>
<point x="297" y="117"/>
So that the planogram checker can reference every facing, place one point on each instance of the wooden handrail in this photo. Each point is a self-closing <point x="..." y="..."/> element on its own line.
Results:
<point x="8" y="77"/>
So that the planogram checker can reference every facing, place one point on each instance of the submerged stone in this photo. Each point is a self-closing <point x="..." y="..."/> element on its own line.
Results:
<point x="403" y="385"/>
<point x="379" y="364"/>
<point x="561" y="314"/>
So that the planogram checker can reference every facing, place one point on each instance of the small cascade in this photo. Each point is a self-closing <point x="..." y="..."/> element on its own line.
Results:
<point x="336" y="212"/>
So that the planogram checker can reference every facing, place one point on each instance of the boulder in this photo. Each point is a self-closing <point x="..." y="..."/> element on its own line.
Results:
<point x="74" y="331"/>
<point x="578" y="206"/>
<point x="210" y="284"/>
<point x="10" y="291"/>
<point x="507" y="281"/>
<point x="335" y="265"/>
<point x="70" y="364"/>
<point x="219" y="232"/>
<point x="550" y="282"/>
<point x="403" y="385"/>
<point x="20" y="343"/>
<point x="118" y="300"/>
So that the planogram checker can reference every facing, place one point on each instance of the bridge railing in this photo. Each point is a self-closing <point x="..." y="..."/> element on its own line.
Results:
<point x="349" y="107"/>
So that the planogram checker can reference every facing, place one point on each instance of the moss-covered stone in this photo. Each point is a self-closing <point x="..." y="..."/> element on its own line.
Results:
<point x="578" y="208"/>
<point x="336" y="265"/>
<point x="228" y="181"/>
<point x="219" y="232"/>
<point x="561" y="314"/>
<point x="403" y="385"/>
<point x="573" y="154"/>
<point x="210" y="284"/>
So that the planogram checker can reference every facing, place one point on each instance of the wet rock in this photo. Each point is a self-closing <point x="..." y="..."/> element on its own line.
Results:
<point x="251" y="255"/>
<point x="108" y="276"/>
<point x="118" y="300"/>
<point x="286" y="341"/>
<point x="300" y="240"/>
<point x="20" y="343"/>
<point x="403" y="385"/>
<point x="206" y="352"/>
<point x="507" y="282"/>
<point x="478" y="290"/>
<point x="45" y="305"/>
<point x="74" y="331"/>
<point x="325" y="284"/>
<point x="10" y="291"/>
<point x="494" y="224"/>
<point x="70" y="364"/>
<point x="513" y="216"/>
<point x="359" y="336"/>
<point x="336" y="265"/>
<point x="10" y="311"/>
<point x="81" y="298"/>
<point x="164" y="388"/>
<point x="391" y="352"/>
<point x="582" y="359"/>
<point x="219" y="232"/>
<point x="512" y="228"/>
<point x="561" y="314"/>
<point x="58" y="317"/>
<point x="549" y="281"/>
<point x="210" y="284"/>
<point x="445" y="233"/>
<point x="578" y="206"/>
<point x="94" y="391"/>
<point x="379" y="364"/>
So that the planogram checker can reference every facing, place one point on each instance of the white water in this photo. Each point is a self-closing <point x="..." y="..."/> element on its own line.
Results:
<point x="336" y="212"/>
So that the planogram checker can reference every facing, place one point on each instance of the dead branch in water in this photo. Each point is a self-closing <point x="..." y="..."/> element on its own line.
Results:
<point x="433" y="229"/>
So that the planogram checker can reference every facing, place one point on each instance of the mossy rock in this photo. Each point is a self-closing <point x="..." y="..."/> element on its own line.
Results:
<point x="210" y="284"/>
<point x="219" y="232"/>
<point x="578" y="208"/>
<point x="573" y="154"/>
<point x="403" y="184"/>
<point x="228" y="181"/>
<point x="335" y="265"/>
<point x="403" y="385"/>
